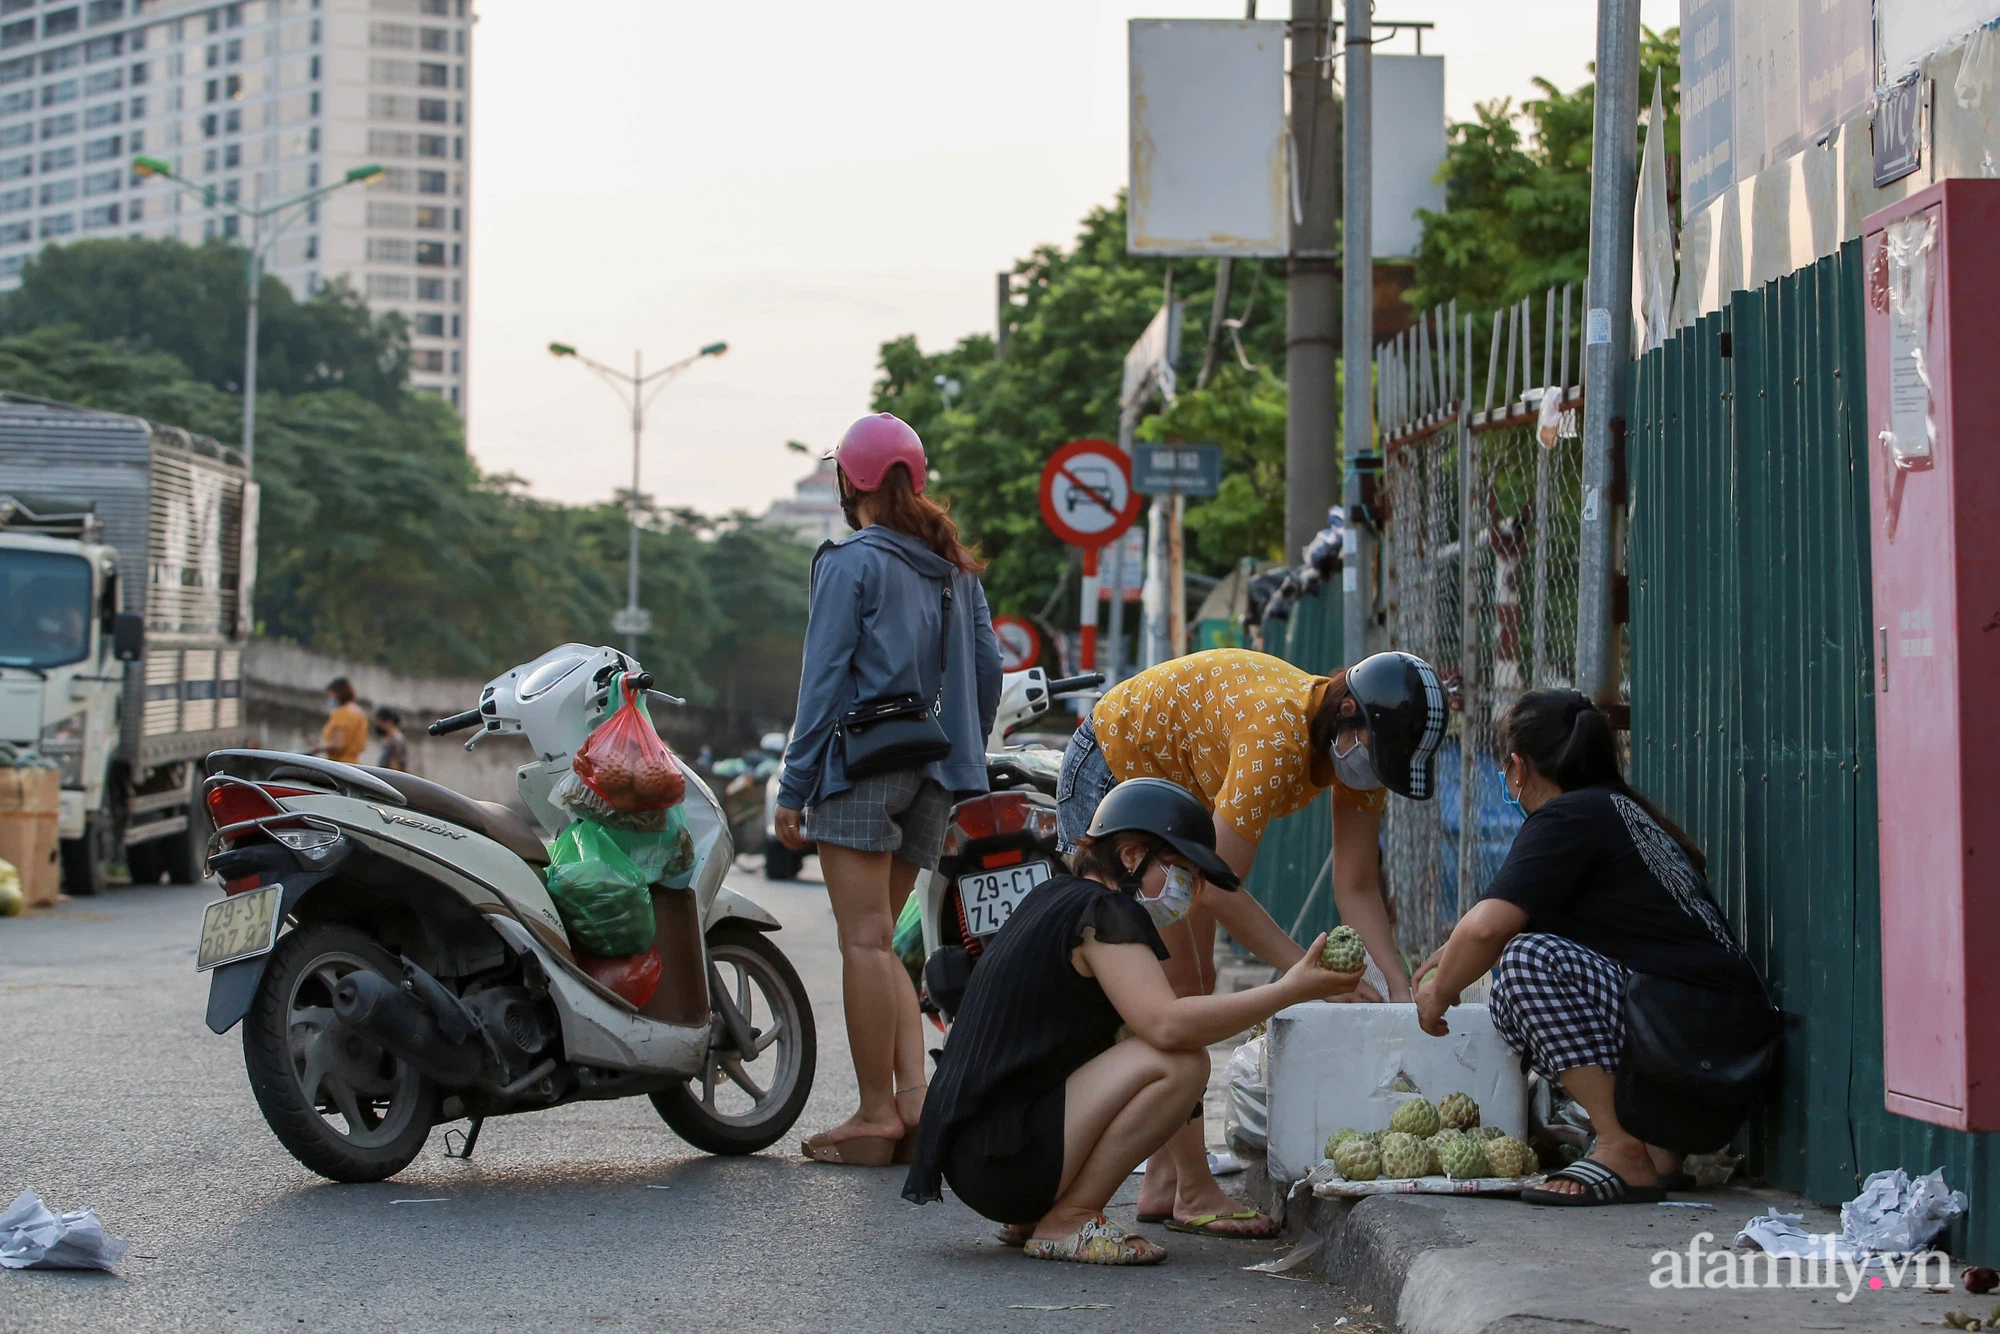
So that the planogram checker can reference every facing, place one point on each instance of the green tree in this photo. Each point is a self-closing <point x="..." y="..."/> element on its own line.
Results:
<point x="1078" y="312"/>
<point x="1516" y="220"/>
<point x="190" y="301"/>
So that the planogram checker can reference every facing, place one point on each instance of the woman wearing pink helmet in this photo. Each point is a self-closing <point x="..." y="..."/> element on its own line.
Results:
<point x="900" y="682"/>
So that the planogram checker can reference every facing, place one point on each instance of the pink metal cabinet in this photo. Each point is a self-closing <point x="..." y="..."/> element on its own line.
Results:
<point x="1933" y="331"/>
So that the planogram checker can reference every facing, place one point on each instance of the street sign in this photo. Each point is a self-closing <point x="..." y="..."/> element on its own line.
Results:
<point x="1020" y="644"/>
<point x="1188" y="470"/>
<point x="632" y="621"/>
<point x="1086" y="493"/>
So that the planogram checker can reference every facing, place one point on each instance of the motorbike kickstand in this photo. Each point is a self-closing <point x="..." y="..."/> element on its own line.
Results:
<point x="471" y="1138"/>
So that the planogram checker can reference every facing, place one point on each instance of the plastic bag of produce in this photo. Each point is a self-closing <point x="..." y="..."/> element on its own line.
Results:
<point x="1245" y="1122"/>
<point x="601" y="893"/>
<point x="624" y="764"/>
<point x="908" y="942"/>
<point x="635" y="977"/>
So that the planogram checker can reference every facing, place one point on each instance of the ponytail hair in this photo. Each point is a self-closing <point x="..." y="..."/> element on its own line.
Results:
<point x="1570" y="742"/>
<point x="899" y="507"/>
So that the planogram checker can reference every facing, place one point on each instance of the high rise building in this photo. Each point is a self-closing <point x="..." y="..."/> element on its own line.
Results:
<point x="261" y="100"/>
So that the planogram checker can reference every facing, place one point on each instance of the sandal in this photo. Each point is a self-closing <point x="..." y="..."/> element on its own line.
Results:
<point x="1600" y="1185"/>
<point x="854" y="1151"/>
<point x="1098" y="1242"/>
<point x="1202" y="1225"/>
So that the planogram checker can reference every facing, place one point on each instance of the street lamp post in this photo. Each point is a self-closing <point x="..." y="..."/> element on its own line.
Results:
<point x="254" y="269"/>
<point x="636" y="391"/>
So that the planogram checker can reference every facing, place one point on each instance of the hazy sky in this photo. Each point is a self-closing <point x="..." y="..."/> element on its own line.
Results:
<point x="806" y="181"/>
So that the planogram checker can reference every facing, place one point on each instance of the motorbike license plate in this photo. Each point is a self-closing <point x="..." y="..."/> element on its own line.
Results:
<point x="990" y="897"/>
<point x="241" y="926"/>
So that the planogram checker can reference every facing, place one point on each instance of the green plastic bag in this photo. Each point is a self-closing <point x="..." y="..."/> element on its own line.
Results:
<point x="908" y="942"/>
<point x="600" y="891"/>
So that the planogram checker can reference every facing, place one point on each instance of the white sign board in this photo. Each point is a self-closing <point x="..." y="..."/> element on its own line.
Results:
<point x="1408" y="139"/>
<point x="1909" y="30"/>
<point x="1207" y="137"/>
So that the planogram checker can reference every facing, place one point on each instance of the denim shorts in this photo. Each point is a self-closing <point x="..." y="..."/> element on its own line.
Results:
<point x="1084" y="780"/>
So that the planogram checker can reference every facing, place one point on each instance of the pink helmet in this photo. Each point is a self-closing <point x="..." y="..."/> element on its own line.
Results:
<point x="873" y="445"/>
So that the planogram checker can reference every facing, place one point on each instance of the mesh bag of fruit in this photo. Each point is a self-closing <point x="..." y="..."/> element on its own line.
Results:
<point x="623" y="774"/>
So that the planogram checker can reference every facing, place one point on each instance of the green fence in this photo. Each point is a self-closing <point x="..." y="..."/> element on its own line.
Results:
<point x="1294" y="848"/>
<point x="1752" y="705"/>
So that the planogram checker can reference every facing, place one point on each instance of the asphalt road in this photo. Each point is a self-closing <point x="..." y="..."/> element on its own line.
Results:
<point x="114" y="1094"/>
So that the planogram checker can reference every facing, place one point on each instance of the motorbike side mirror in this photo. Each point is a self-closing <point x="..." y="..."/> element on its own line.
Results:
<point x="128" y="636"/>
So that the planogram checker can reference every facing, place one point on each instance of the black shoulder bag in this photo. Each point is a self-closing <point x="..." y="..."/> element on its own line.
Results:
<point x="1696" y="1060"/>
<point x="896" y="732"/>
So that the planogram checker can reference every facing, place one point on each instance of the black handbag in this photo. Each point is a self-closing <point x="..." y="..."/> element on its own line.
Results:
<point x="1695" y="1061"/>
<point x="897" y="732"/>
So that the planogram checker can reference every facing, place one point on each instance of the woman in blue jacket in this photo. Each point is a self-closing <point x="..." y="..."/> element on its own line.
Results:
<point x="897" y="611"/>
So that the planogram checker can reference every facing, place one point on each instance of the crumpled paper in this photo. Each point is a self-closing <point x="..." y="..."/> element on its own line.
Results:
<point x="1892" y="1215"/>
<point x="33" y="1238"/>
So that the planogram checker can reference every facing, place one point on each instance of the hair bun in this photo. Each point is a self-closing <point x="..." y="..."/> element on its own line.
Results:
<point x="1579" y="706"/>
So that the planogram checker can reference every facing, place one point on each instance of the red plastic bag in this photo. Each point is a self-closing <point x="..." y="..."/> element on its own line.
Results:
<point x="635" y="977"/>
<point x="625" y="763"/>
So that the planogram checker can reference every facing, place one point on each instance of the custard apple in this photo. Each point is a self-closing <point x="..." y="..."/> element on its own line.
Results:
<point x="1344" y="952"/>
<point x="1404" y="1155"/>
<point x="1458" y="1111"/>
<point x="1436" y="1145"/>
<point x="1510" y="1157"/>
<point x="1416" y="1117"/>
<point x="1464" y="1158"/>
<point x="1357" y="1159"/>
<point x="1341" y="1136"/>
<point x="1485" y="1133"/>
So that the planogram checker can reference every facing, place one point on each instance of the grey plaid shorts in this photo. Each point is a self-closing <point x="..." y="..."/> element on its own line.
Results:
<point x="904" y="813"/>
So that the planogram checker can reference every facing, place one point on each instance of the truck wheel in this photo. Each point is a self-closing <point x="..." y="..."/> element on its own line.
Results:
<point x="86" y="861"/>
<point x="183" y="856"/>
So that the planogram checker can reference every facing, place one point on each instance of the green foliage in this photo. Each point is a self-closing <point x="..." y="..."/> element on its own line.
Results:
<point x="381" y="540"/>
<point x="1244" y="412"/>
<point x="191" y="301"/>
<point x="1517" y="191"/>
<point x="1077" y="313"/>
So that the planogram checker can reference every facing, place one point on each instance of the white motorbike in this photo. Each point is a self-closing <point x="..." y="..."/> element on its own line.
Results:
<point x="397" y="962"/>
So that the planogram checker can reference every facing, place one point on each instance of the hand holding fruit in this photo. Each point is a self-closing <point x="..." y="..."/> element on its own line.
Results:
<point x="1311" y="979"/>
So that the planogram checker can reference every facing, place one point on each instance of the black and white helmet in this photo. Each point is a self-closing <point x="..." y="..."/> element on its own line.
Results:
<point x="1403" y="702"/>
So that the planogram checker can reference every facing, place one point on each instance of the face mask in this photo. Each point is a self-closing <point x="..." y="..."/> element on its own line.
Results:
<point x="332" y="703"/>
<point x="1507" y="795"/>
<point x="1175" y="899"/>
<point x="1354" y="769"/>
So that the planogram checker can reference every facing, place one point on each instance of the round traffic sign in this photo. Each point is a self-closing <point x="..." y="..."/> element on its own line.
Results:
<point x="1086" y="493"/>
<point x="1020" y="645"/>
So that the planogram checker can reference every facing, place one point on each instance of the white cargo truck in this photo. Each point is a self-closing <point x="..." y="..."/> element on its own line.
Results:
<point x="127" y="553"/>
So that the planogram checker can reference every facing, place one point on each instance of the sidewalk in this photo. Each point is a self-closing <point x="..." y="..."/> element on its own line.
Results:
<point x="1440" y="1264"/>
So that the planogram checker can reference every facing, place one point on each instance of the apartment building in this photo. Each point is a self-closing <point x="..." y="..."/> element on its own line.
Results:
<point x="261" y="100"/>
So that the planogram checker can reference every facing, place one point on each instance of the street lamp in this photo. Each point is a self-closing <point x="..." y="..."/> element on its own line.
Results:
<point x="634" y="392"/>
<point x="259" y="242"/>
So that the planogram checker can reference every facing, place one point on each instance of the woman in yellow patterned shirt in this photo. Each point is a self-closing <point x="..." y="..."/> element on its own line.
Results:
<point x="1256" y="738"/>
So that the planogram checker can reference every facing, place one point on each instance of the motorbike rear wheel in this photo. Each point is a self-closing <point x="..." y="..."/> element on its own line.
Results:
<point x="738" y="1106"/>
<point x="341" y="1105"/>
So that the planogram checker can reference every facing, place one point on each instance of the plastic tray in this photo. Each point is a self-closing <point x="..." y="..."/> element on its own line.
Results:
<point x="1326" y="1184"/>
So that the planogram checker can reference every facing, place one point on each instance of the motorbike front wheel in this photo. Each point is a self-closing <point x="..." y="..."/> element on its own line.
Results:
<point x="742" y="1102"/>
<point x="341" y="1105"/>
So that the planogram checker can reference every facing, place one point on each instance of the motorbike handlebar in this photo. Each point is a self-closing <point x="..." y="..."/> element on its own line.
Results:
<point x="1070" y="685"/>
<point x="458" y="722"/>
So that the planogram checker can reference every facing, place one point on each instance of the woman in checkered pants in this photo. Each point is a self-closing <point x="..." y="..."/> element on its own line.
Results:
<point x="1601" y="891"/>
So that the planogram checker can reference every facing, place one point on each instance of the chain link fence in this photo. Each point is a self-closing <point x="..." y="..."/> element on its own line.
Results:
<point x="1480" y="503"/>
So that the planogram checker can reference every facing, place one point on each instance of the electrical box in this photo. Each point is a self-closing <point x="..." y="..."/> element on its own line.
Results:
<point x="1932" y="321"/>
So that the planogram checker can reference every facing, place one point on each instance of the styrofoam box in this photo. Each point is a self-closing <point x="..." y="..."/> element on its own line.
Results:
<point x="1331" y="1066"/>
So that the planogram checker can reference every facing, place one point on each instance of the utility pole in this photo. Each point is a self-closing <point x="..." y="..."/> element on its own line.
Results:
<point x="1357" y="325"/>
<point x="1311" y="333"/>
<point x="1607" y="332"/>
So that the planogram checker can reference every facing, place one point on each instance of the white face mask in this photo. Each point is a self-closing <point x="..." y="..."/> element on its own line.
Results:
<point x="1354" y="769"/>
<point x="1175" y="899"/>
<point x="332" y="703"/>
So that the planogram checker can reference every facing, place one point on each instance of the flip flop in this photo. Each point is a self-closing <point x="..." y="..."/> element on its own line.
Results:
<point x="1600" y="1185"/>
<point x="1098" y="1242"/>
<point x="1201" y="1225"/>
<point x="854" y="1151"/>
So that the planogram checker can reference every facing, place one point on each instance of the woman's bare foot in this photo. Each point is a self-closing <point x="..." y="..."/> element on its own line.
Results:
<point x="859" y="1127"/>
<point x="1156" y="1189"/>
<point x="910" y="1106"/>
<point x="1627" y="1157"/>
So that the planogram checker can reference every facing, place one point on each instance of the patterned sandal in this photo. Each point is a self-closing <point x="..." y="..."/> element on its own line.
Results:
<point x="1098" y="1242"/>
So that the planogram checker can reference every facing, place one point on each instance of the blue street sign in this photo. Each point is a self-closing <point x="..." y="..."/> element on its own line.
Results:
<point x="1190" y="470"/>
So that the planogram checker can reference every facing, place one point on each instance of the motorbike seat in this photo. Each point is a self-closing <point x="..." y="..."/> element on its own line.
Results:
<point x="490" y="818"/>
